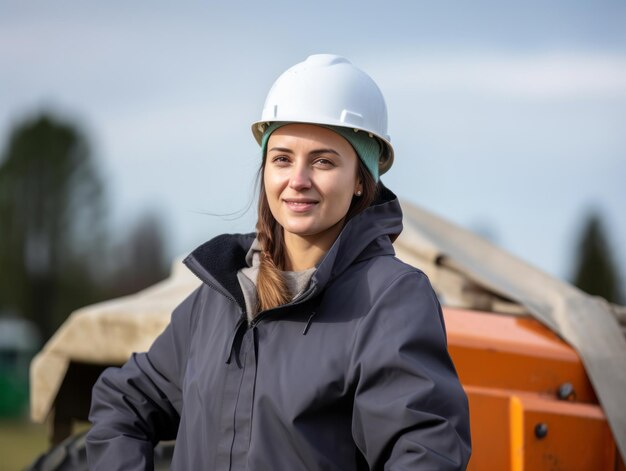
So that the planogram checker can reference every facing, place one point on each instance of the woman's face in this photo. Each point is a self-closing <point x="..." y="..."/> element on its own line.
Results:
<point x="310" y="177"/>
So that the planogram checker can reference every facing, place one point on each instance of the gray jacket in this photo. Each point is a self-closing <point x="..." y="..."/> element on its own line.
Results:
<point x="353" y="374"/>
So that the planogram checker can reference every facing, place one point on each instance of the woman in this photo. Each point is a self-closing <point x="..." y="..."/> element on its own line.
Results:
<point x="308" y="345"/>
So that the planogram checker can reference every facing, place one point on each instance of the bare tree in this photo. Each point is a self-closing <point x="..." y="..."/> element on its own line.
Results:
<point x="140" y="260"/>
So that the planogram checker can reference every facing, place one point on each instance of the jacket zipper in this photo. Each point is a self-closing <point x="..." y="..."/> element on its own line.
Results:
<point x="192" y="265"/>
<point x="308" y="323"/>
<point x="263" y="314"/>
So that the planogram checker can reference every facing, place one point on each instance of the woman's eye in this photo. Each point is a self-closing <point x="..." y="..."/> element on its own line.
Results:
<point x="280" y="159"/>
<point x="324" y="163"/>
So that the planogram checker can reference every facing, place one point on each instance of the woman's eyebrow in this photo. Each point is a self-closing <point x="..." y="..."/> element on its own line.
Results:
<point x="281" y="149"/>
<point x="313" y="152"/>
<point x="323" y="151"/>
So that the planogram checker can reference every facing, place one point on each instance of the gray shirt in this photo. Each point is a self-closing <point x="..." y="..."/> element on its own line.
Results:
<point x="297" y="281"/>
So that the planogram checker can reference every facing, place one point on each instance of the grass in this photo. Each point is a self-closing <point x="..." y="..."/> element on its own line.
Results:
<point x="21" y="442"/>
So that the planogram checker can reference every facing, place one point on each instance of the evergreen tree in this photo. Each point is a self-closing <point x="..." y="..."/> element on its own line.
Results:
<point x="595" y="271"/>
<point x="51" y="211"/>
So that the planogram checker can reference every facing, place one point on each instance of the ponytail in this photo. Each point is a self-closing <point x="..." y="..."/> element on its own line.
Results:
<point x="271" y="287"/>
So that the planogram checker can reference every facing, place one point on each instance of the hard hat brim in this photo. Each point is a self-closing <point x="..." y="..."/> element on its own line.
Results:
<point x="386" y="159"/>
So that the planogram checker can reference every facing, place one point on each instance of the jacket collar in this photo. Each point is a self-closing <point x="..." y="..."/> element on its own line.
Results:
<point x="368" y="234"/>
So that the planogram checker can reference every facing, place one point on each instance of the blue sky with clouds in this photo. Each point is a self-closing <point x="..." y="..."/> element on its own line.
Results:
<point x="507" y="118"/>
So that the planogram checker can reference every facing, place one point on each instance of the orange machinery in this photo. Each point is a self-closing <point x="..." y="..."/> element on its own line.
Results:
<point x="532" y="406"/>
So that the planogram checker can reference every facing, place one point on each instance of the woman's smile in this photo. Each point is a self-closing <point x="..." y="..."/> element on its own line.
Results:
<point x="300" y="205"/>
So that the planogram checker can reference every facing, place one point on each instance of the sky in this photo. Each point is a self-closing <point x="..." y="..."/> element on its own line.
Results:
<point x="507" y="118"/>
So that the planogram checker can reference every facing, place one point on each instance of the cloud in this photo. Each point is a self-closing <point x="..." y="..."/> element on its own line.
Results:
<point x="543" y="76"/>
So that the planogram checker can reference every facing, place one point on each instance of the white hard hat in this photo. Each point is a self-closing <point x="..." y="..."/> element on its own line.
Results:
<point x="328" y="89"/>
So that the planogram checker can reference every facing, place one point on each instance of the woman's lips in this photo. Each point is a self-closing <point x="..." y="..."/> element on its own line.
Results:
<point x="300" y="206"/>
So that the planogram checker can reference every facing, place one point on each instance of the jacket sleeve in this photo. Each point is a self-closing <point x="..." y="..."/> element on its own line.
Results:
<point x="137" y="405"/>
<point x="410" y="411"/>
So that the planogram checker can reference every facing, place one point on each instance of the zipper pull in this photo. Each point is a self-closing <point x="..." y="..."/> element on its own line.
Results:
<point x="308" y="323"/>
<point x="233" y="337"/>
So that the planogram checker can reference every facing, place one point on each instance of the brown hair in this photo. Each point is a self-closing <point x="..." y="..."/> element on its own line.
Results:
<point x="271" y="286"/>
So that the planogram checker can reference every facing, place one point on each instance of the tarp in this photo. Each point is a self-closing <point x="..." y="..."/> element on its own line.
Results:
<point x="106" y="333"/>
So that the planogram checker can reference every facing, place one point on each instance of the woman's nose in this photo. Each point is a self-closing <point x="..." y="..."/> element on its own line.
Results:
<point x="300" y="178"/>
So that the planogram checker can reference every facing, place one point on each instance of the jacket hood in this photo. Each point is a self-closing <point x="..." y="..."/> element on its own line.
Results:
<point x="366" y="235"/>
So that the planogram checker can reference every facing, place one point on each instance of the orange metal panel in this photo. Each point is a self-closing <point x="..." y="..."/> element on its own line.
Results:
<point x="516" y="429"/>
<point x="497" y="431"/>
<point x="511" y="352"/>
<point x="503" y="423"/>
<point x="578" y="436"/>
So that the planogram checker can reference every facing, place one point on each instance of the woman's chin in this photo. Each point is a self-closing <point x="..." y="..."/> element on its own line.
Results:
<point x="300" y="231"/>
